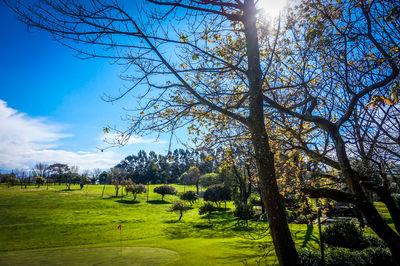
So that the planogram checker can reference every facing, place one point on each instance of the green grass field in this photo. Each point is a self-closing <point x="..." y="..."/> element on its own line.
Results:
<point x="78" y="227"/>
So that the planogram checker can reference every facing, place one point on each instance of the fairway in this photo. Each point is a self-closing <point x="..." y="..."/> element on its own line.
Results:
<point x="79" y="227"/>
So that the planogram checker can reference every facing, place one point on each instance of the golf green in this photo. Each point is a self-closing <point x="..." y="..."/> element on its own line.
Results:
<point x="91" y="256"/>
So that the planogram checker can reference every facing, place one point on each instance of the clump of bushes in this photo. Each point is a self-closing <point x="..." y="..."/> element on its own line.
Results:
<point x="351" y="247"/>
<point x="209" y="179"/>
<point x="343" y="234"/>
<point x="165" y="190"/>
<point x="345" y="257"/>
<point x="244" y="212"/>
<point x="39" y="180"/>
<point x="189" y="196"/>
<point x="372" y="241"/>
<point x="348" y="235"/>
<point x="309" y="257"/>
<point x="135" y="189"/>
<point x="217" y="194"/>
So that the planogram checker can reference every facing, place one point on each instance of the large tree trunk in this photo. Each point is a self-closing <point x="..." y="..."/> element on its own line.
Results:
<point x="283" y="242"/>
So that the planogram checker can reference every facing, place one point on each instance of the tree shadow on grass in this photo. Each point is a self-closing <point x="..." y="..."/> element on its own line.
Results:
<point x="259" y="255"/>
<point x="308" y="236"/>
<point x="219" y="228"/>
<point x="128" y="201"/>
<point x="111" y="197"/>
<point x="72" y="189"/>
<point x="203" y="226"/>
<point x="173" y="221"/>
<point x="157" y="202"/>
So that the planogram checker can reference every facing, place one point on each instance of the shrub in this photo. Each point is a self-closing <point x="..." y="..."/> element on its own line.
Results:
<point x="165" y="190"/>
<point x="135" y="189"/>
<point x="209" y="179"/>
<point x="377" y="256"/>
<point x="208" y="209"/>
<point x="343" y="257"/>
<point x="244" y="212"/>
<point x="217" y="194"/>
<point x="39" y="180"/>
<point x="372" y="241"/>
<point x="180" y="207"/>
<point x="343" y="234"/>
<point x="189" y="196"/>
<point x="309" y="257"/>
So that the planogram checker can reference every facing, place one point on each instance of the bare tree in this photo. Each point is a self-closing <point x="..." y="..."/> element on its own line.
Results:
<point x="40" y="169"/>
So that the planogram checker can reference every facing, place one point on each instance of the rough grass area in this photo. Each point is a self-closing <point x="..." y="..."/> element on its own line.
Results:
<point x="78" y="227"/>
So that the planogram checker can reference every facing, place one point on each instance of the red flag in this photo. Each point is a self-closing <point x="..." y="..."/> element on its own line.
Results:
<point x="119" y="227"/>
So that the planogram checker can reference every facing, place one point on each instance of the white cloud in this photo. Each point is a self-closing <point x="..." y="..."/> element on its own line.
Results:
<point x="25" y="141"/>
<point x="110" y="137"/>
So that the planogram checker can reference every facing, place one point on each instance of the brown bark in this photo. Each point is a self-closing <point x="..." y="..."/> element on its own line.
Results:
<point x="282" y="239"/>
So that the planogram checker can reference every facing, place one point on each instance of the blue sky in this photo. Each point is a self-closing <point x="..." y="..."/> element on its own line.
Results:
<point x="50" y="106"/>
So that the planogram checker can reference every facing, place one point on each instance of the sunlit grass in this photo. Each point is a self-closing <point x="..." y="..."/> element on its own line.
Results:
<point x="41" y="219"/>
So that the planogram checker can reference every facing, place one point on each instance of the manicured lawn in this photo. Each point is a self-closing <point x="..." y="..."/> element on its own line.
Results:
<point x="78" y="227"/>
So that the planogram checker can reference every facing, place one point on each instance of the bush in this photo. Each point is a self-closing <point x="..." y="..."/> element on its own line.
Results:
<point x="244" y="212"/>
<point x="343" y="257"/>
<point x="377" y="256"/>
<point x="343" y="234"/>
<point x="209" y="179"/>
<point x="309" y="257"/>
<point x="217" y="194"/>
<point x="165" y="190"/>
<point x="180" y="207"/>
<point x="372" y="241"/>
<point x="189" y="196"/>
<point x="135" y="189"/>
<point x="39" y="180"/>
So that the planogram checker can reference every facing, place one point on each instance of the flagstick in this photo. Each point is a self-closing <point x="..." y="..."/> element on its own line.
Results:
<point x="120" y="241"/>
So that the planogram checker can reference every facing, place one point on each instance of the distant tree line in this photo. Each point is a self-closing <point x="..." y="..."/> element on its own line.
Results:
<point x="163" y="169"/>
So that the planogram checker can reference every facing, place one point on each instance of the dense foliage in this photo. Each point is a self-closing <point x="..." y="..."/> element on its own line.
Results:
<point x="343" y="257"/>
<point x="189" y="196"/>
<point x="210" y="179"/>
<point x="39" y="180"/>
<point x="165" y="190"/>
<point x="244" y="212"/>
<point x="217" y="194"/>
<point x="343" y="234"/>
<point x="135" y="189"/>
<point x="157" y="168"/>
